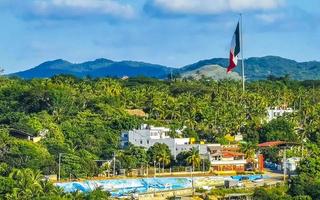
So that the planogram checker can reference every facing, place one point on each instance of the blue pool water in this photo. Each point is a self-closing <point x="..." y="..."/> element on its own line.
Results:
<point x="247" y="177"/>
<point x="124" y="187"/>
<point x="120" y="187"/>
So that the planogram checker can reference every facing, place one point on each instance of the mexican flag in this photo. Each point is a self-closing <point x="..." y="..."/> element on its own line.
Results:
<point x="235" y="50"/>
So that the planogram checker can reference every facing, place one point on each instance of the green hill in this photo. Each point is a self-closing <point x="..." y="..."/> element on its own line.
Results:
<point x="255" y="68"/>
<point x="262" y="67"/>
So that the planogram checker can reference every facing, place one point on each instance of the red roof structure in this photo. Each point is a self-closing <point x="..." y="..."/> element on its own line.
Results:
<point x="271" y="144"/>
<point x="276" y="144"/>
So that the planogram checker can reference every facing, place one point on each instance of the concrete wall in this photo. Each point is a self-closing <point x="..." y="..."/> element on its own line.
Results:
<point x="165" y="194"/>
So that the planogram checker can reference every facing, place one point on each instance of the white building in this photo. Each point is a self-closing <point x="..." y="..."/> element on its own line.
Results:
<point x="147" y="136"/>
<point x="277" y="112"/>
<point x="222" y="157"/>
<point x="291" y="164"/>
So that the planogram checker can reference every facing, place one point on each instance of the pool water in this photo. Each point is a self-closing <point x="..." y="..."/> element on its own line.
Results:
<point x="125" y="187"/>
<point x="120" y="187"/>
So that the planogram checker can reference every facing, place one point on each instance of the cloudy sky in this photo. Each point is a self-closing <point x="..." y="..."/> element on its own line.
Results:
<point x="168" y="32"/>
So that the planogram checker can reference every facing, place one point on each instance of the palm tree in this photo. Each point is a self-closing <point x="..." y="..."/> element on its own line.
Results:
<point x="194" y="158"/>
<point x="164" y="158"/>
<point x="249" y="149"/>
<point x="28" y="183"/>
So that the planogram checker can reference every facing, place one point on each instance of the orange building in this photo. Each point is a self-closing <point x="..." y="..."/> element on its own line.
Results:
<point x="226" y="158"/>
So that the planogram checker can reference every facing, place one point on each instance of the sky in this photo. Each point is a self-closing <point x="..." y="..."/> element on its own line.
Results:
<point x="168" y="32"/>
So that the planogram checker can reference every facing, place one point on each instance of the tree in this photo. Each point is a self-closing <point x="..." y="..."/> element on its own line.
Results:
<point x="194" y="158"/>
<point x="160" y="153"/>
<point x="271" y="194"/>
<point x="23" y="154"/>
<point x="278" y="129"/>
<point x="164" y="158"/>
<point x="29" y="184"/>
<point x="249" y="149"/>
<point x="308" y="180"/>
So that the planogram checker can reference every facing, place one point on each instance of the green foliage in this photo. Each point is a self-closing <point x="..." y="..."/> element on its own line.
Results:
<point x="25" y="184"/>
<point x="23" y="154"/>
<point x="249" y="149"/>
<point x="98" y="194"/>
<point x="83" y="119"/>
<point x="278" y="129"/>
<point x="159" y="153"/>
<point x="133" y="157"/>
<point x="278" y="193"/>
<point x="307" y="183"/>
<point x="194" y="158"/>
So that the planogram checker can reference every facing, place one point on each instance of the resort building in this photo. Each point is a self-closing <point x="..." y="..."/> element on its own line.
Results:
<point x="222" y="157"/>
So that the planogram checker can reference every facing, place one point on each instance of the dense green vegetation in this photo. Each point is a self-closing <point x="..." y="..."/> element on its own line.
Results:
<point x="83" y="119"/>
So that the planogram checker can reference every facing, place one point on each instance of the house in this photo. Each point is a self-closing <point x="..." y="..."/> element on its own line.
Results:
<point x="277" y="112"/>
<point x="27" y="136"/>
<point x="226" y="158"/>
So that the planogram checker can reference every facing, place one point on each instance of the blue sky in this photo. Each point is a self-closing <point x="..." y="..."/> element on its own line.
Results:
<point x="169" y="32"/>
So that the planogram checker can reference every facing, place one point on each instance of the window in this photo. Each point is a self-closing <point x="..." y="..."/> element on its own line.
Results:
<point x="140" y="141"/>
<point x="147" y="141"/>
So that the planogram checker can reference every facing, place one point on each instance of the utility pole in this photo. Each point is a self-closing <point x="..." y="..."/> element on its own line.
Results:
<point x="203" y="165"/>
<point x="59" y="165"/>
<point x="284" y="165"/>
<point x="114" y="164"/>
<point x="242" y="59"/>
<point x="59" y="171"/>
<point x="155" y="169"/>
<point x="147" y="170"/>
<point x="192" y="178"/>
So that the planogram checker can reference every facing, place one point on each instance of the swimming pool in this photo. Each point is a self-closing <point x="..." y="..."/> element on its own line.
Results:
<point x="124" y="187"/>
<point x="120" y="187"/>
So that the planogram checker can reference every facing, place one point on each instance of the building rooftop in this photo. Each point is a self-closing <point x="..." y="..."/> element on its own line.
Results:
<point x="277" y="144"/>
<point x="231" y="154"/>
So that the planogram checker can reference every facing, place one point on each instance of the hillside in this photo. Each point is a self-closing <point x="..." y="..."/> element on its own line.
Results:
<point x="255" y="68"/>
<point x="215" y="72"/>
<point x="97" y="68"/>
<point x="261" y="67"/>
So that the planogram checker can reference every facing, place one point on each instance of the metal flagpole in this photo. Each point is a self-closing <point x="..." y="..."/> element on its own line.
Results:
<point x="242" y="60"/>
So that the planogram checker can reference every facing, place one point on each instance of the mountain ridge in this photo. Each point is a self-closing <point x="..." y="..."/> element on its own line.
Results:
<point x="255" y="68"/>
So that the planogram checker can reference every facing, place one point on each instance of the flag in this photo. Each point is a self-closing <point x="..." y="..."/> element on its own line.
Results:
<point x="235" y="50"/>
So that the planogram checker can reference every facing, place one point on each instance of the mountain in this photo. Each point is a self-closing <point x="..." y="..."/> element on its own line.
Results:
<point x="261" y="67"/>
<point x="97" y="68"/>
<point x="255" y="68"/>
<point x="215" y="72"/>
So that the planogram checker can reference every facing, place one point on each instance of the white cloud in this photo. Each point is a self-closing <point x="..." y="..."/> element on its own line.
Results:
<point x="270" y="17"/>
<point x="213" y="6"/>
<point x="72" y="8"/>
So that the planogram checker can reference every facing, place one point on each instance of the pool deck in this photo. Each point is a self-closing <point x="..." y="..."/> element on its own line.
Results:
<point x="158" y="175"/>
<point x="182" y="189"/>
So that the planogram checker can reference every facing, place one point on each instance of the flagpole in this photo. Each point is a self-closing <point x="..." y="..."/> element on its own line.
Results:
<point x="242" y="60"/>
